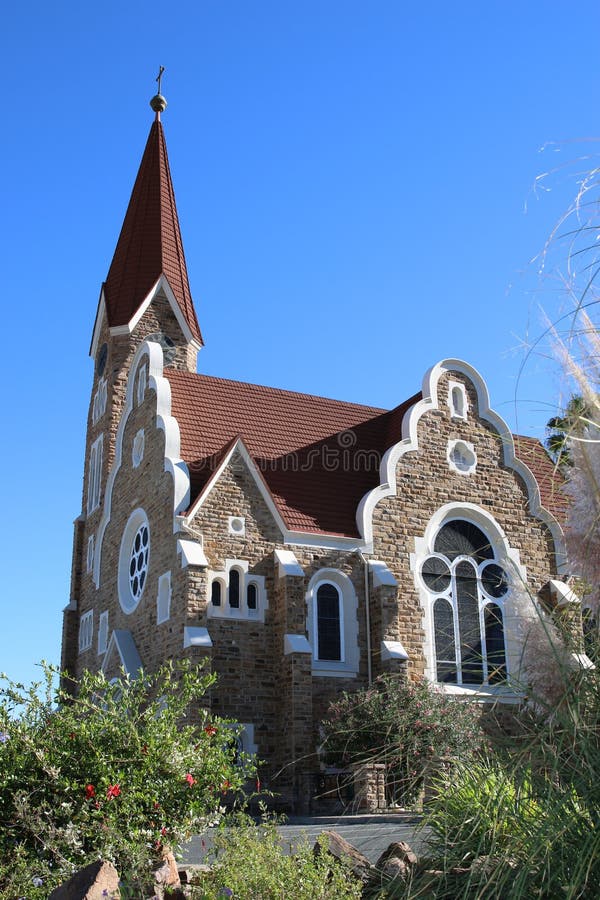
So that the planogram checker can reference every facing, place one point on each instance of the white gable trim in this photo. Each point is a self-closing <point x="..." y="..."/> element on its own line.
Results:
<point x="239" y="447"/>
<point x="161" y="285"/>
<point x="409" y="443"/>
<point x="298" y="538"/>
<point x="100" y="315"/>
<point x="151" y="354"/>
<point x="122" y="642"/>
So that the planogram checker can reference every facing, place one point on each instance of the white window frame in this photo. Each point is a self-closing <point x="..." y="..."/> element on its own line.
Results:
<point x="102" y="632"/>
<point x="86" y="630"/>
<point x="89" y="561"/>
<point x="163" y="599"/>
<point x="458" y="410"/>
<point x="225" y="611"/>
<point x="348" y="665"/>
<point x="100" y="398"/>
<point x="95" y="475"/>
<point x="137" y="448"/>
<point x="505" y="556"/>
<point x="128" y="602"/>
<point x="142" y="383"/>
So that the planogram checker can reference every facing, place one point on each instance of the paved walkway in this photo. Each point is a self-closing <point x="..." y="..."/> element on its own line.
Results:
<point x="369" y="834"/>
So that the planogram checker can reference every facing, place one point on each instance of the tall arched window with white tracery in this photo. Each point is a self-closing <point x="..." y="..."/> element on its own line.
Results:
<point x="467" y="587"/>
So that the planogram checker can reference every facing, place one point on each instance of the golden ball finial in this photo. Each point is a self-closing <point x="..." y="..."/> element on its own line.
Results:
<point x="158" y="103"/>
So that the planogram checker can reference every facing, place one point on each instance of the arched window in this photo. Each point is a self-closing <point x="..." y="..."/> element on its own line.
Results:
<point x="215" y="593"/>
<point x="332" y="623"/>
<point x="234" y="589"/>
<point x="467" y="587"/>
<point x="252" y="596"/>
<point x="329" y="636"/>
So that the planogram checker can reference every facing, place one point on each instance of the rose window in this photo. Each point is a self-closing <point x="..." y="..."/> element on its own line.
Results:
<point x="138" y="564"/>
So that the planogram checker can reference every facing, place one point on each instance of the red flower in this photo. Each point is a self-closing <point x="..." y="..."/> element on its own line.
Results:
<point x="190" y="779"/>
<point x="156" y="804"/>
<point x="114" y="790"/>
<point x="225" y="786"/>
<point x="210" y="730"/>
<point x="163" y="831"/>
<point x="90" y="791"/>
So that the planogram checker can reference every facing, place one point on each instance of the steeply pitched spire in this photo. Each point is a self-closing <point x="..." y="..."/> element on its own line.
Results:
<point x="150" y="242"/>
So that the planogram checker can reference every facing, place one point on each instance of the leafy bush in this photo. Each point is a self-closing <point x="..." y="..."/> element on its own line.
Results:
<point x="409" y="727"/>
<point x="112" y="772"/>
<point x="251" y="863"/>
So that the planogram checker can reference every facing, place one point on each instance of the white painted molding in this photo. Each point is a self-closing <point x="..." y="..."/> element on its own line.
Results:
<point x="409" y="443"/>
<point x="121" y="642"/>
<point x="239" y="447"/>
<point x="194" y="636"/>
<point x="153" y="353"/>
<point x="287" y="564"/>
<point x="381" y="574"/>
<point x="392" y="650"/>
<point x="295" y="643"/>
<point x="192" y="553"/>
<point x="98" y="322"/>
<point x="296" y="538"/>
<point x="562" y="593"/>
<point x="161" y="285"/>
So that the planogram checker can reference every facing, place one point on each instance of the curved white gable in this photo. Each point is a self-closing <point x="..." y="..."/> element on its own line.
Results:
<point x="409" y="442"/>
<point x="152" y="354"/>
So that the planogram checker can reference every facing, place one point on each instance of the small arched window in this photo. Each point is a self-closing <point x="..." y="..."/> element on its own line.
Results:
<point x="215" y="593"/>
<point x="328" y="618"/>
<point x="252" y="596"/>
<point x="467" y="586"/>
<point x="234" y="589"/>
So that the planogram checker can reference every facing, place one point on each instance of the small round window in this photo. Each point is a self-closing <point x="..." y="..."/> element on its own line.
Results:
<point x="134" y="559"/>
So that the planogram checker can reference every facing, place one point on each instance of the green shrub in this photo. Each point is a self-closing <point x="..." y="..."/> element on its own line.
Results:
<point x="410" y="727"/>
<point x="533" y="812"/>
<point x="113" y="772"/>
<point x="251" y="865"/>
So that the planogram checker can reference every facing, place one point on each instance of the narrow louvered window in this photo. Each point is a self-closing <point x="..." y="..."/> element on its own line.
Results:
<point x="328" y="623"/>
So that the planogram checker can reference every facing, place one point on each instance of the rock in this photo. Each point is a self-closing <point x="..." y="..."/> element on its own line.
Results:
<point x="190" y="873"/>
<point x="398" y="850"/>
<point x="167" y="877"/>
<point x="395" y="864"/>
<point x="341" y="849"/>
<point x="97" y="881"/>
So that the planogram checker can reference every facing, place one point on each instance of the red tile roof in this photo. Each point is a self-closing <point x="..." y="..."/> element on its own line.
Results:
<point x="550" y="479"/>
<point x="318" y="457"/>
<point x="150" y="242"/>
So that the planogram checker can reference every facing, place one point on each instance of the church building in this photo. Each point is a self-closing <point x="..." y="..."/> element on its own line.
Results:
<point x="302" y="545"/>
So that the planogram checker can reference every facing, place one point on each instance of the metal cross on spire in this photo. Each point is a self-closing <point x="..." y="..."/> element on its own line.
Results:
<point x="158" y="102"/>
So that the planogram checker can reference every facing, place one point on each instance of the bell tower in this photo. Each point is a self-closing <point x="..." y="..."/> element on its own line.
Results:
<point x="146" y="296"/>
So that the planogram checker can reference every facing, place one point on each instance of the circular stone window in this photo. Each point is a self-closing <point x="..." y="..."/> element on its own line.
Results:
<point x="134" y="558"/>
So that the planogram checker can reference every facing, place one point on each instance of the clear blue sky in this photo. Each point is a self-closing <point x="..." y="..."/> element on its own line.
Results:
<point x="351" y="180"/>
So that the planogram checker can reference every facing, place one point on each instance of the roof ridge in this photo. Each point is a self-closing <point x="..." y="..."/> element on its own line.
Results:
<point x="276" y="390"/>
